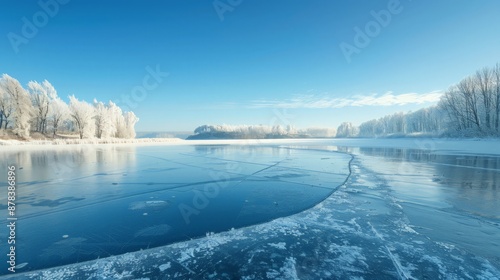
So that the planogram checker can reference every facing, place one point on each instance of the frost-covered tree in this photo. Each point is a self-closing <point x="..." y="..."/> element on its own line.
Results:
<point x="261" y="131"/>
<point x="41" y="95"/>
<point x="246" y="131"/>
<point x="454" y="105"/>
<point x="23" y="110"/>
<point x="483" y="80"/>
<point x="496" y="93"/>
<point x="424" y="121"/>
<point x="82" y="114"/>
<point x="201" y="129"/>
<point x="118" y="120"/>
<point x="130" y="120"/>
<point x="473" y="105"/>
<point x="291" y="130"/>
<point x="370" y="129"/>
<point x="347" y="129"/>
<point x="6" y="107"/>
<point x="105" y="127"/>
<point x="58" y="113"/>
<point x="319" y="132"/>
<point x="110" y="121"/>
<point x="279" y="130"/>
<point x="39" y="107"/>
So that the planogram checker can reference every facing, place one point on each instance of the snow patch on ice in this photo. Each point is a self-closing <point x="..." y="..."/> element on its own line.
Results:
<point x="186" y="255"/>
<point x="138" y="205"/>
<point x="447" y="246"/>
<point x="287" y="272"/>
<point x="164" y="266"/>
<point x="404" y="227"/>
<point x="64" y="273"/>
<point x="207" y="245"/>
<point x="279" y="245"/>
<point x="489" y="272"/>
<point x="286" y="226"/>
<point x="348" y="257"/>
<point x="355" y="224"/>
<point x="436" y="261"/>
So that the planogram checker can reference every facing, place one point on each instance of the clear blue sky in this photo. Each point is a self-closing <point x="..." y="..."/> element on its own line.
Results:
<point x="259" y="62"/>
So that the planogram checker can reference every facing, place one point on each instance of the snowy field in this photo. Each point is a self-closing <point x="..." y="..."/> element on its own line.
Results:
<point x="260" y="209"/>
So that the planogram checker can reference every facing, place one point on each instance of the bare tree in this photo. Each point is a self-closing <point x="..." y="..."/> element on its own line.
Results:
<point x="467" y="88"/>
<point x="496" y="85"/>
<point x="455" y="105"/>
<point x="483" y="81"/>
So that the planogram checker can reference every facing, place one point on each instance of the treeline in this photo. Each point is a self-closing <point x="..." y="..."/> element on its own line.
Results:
<point x="39" y="109"/>
<point x="426" y="122"/>
<point x="258" y="132"/>
<point x="467" y="109"/>
<point x="473" y="105"/>
<point x="471" y="108"/>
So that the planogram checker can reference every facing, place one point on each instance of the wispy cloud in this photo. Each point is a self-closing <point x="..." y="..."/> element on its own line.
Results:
<point x="315" y="101"/>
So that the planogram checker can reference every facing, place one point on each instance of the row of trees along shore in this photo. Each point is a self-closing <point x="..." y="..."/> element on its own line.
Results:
<point x="39" y="109"/>
<point x="225" y="131"/>
<point x="470" y="108"/>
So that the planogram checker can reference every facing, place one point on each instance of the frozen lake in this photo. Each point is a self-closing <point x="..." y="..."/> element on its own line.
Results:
<point x="296" y="209"/>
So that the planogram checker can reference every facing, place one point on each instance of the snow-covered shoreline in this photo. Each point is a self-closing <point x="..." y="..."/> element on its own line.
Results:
<point x="63" y="142"/>
<point x="490" y="146"/>
<point x="146" y="141"/>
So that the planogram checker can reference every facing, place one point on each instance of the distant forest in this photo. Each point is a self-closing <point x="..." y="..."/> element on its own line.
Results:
<point x="258" y="132"/>
<point x="470" y="108"/>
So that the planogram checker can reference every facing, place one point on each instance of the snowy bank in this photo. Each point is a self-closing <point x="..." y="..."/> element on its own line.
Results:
<point x="90" y="141"/>
<point x="490" y="146"/>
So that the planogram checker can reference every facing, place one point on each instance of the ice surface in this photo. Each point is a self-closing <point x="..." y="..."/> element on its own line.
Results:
<point x="113" y="200"/>
<point x="391" y="220"/>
